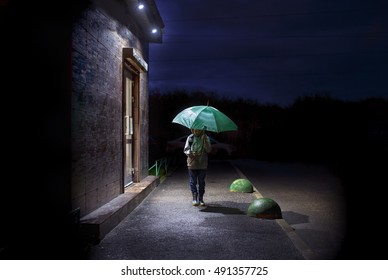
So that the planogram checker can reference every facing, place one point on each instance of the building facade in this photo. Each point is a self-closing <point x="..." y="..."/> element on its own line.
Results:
<point x="76" y="74"/>
<point x="109" y="106"/>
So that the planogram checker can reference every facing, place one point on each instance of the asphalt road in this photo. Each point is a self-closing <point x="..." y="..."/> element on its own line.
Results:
<point x="311" y="198"/>
<point x="166" y="226"/>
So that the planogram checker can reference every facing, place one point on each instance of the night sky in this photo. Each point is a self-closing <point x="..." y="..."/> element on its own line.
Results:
<point x="273" y="51"/>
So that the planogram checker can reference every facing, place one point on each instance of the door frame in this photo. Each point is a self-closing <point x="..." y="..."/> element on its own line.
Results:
<point x="134" y="63"/>
<point x="129" y="71"/>
<point x="128" y="128"/>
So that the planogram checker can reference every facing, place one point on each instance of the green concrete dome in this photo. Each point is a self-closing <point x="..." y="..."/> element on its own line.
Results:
<point x="241" y="185"/>
<point x="264" y="208"/>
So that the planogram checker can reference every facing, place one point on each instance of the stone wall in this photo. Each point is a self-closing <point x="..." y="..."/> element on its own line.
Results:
<point x="96" y="114"/>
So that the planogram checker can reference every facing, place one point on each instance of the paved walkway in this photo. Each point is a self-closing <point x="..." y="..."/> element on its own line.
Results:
<point x="311" y="197"/>
<point x="166" y="226"/>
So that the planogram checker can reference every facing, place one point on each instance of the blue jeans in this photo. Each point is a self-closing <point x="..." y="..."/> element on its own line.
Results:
<point x="197" y="176"/>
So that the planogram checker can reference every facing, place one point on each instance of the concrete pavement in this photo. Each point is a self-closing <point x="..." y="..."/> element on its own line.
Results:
<point x="311" y="197"/>
<point x="166" y="226"/>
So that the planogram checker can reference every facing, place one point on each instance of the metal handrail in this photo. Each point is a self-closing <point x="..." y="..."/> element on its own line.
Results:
<point x="165" y="162"/>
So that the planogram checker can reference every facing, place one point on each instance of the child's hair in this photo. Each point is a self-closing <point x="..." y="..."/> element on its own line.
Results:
<point x="201" y="131"/>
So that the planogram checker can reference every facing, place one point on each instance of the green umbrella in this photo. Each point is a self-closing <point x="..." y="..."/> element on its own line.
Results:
<point x="205" y="117"/>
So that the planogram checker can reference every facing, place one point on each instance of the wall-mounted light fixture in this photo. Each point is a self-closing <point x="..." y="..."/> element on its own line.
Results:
<point x="149" y="20"/>
<point x="140" y="5"/>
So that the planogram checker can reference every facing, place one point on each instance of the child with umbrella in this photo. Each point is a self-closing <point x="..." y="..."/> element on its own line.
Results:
<point x="196" y="148"/>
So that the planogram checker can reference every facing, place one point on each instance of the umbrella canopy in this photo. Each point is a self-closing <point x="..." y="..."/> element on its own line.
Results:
<point x="205" y="117"/>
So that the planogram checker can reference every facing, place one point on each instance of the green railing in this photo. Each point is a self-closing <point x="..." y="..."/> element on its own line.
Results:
<point x="163" y="166"/>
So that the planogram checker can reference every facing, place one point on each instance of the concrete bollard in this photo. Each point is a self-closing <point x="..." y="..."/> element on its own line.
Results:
<point x="241" y="185"/>
<point x="264" y="208"/>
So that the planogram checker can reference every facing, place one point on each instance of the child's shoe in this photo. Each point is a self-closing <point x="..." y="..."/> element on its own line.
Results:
<point x="195" y="201"/>
<point x="201" y="202"/>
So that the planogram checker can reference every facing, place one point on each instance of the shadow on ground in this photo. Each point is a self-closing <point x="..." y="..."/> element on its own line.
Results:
<point x="216" y="208"/>
<point x="293" y="218"/>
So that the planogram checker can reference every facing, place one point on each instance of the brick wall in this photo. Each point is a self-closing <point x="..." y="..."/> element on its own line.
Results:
<point x="98" y="40"/>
